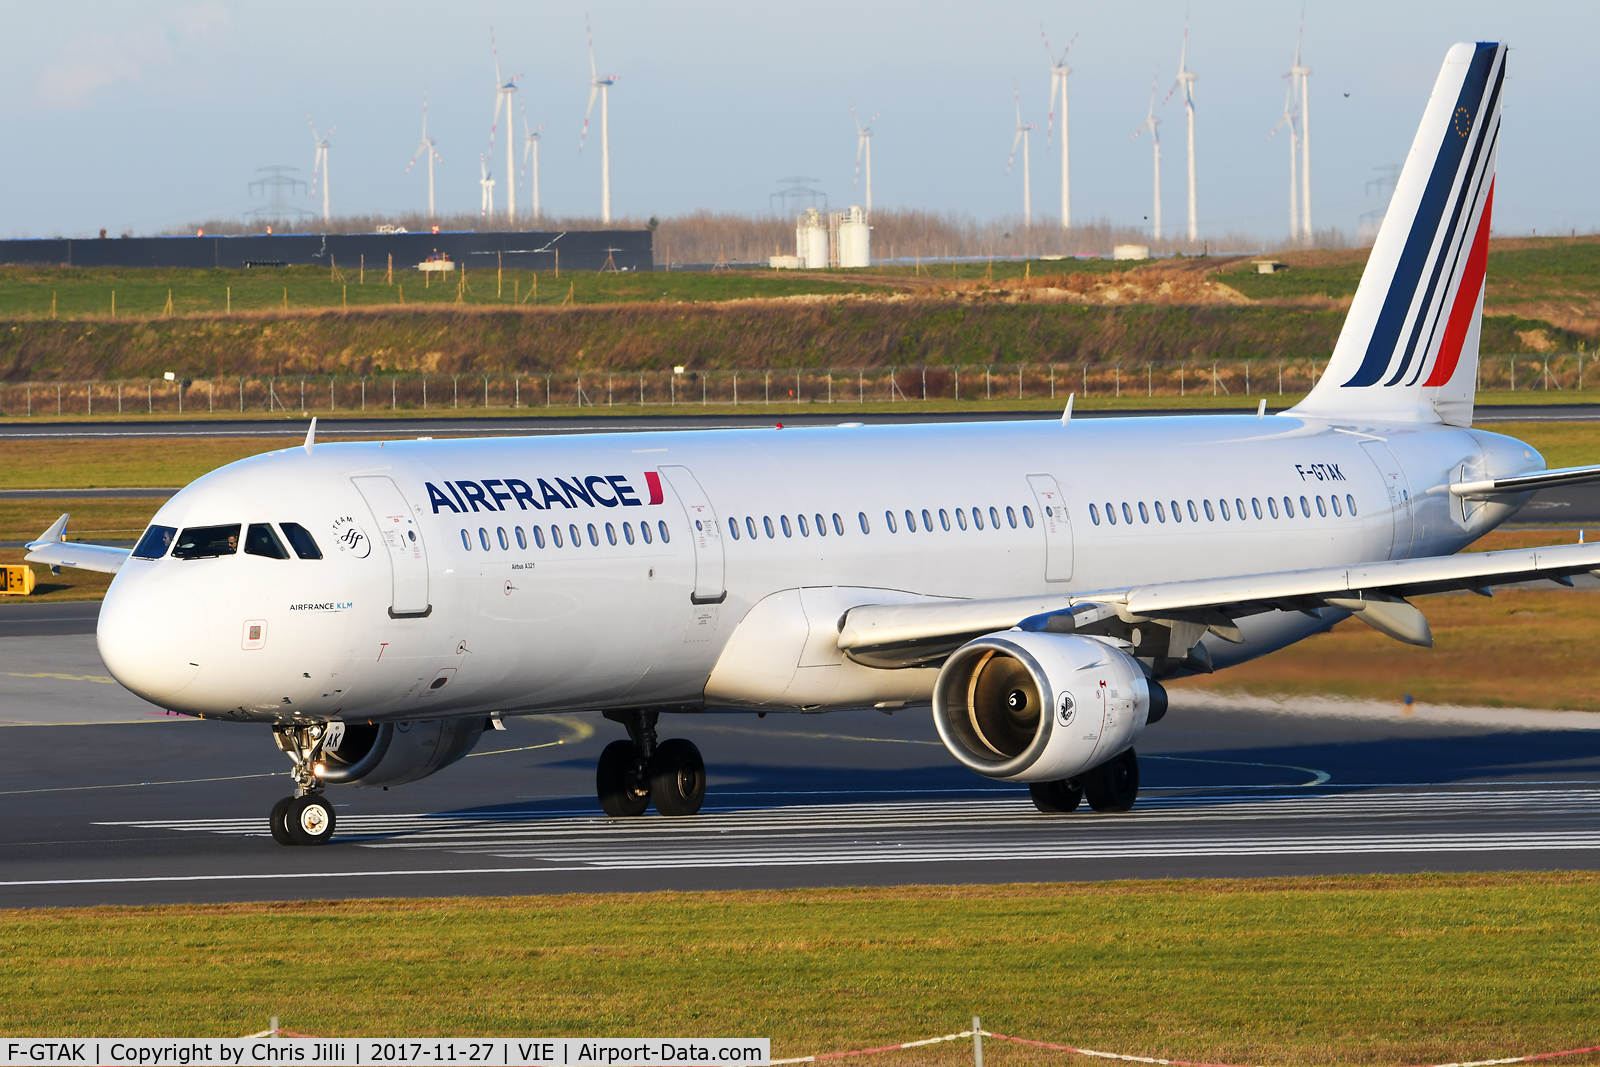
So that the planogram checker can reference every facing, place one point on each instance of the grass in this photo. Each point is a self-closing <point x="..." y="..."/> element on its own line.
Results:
<point x="1370" y="970"/>
<point x="86" y="293"/>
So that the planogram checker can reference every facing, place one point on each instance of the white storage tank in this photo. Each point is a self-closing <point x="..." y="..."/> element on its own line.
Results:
<point x="811" y="240"/>
<point x="855" y="239"/>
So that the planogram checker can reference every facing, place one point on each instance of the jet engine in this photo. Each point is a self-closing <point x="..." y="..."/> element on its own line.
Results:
<point x="1041" y="707"/>
<point x="384" y="754"/>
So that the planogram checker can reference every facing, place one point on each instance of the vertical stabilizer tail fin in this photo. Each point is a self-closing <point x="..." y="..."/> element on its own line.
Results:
<point x="1409" y="347"/>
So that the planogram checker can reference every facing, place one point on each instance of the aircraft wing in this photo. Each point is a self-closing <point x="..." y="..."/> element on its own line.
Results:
<point x="907" y="635"/>
<point x="1489" y="488"/>
<point x="52" y="548"/>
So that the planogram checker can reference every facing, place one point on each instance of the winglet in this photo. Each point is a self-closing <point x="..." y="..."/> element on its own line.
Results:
<point x="1066" y="416"/>
<point x="311" y="435"/>
<point x="55" y="534"/>
<point x="1261" y="411"/>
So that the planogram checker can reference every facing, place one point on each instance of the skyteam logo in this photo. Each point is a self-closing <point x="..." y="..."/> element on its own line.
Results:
<point x="498" y="494"/>
<point x="1424" y="318"/>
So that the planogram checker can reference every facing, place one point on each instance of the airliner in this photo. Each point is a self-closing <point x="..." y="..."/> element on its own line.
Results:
<point x="381" y="605"/>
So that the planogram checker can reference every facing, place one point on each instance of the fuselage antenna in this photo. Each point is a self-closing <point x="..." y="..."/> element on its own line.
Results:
<point x="1066" y="416"/>
<point x="311" y="434"/>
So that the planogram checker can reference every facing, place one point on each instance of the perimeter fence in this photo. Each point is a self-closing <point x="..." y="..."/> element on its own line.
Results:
<point x="997" y="383"/>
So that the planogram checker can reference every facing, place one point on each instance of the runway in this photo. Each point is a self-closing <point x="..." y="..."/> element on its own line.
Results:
<point x="686" y="417"/>
<point x="110" y="801"/>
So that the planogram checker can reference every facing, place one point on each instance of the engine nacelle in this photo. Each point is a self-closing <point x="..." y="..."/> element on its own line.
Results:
<point x="1040" y="707"/>
<point x="396" y="753"/>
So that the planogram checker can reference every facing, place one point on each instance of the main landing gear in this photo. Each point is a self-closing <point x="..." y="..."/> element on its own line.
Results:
<point x="307" y="817"/>
<point x="1112" y="786"/>
<point x="636" y="772"/>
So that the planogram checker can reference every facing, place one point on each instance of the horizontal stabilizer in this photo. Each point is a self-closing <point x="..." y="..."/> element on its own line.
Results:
<point x="1490" y="488"/>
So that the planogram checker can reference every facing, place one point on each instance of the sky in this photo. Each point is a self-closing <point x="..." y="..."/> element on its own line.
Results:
<point x="147" y="117"/>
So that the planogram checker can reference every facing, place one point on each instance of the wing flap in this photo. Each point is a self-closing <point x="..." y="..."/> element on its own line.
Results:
<point x="904" y="635"/>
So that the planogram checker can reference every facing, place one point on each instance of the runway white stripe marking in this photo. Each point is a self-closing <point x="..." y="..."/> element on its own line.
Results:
<point x="942" y="831"/>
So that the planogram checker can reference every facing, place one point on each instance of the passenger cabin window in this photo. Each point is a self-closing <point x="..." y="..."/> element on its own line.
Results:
<point x="1288" y="508"/>
<point x="1255" y="505"/>
<point x="767" y="522"/>
<point x="1223" y="504"/>
<point x="644" y="532"/>
<point x="961" y="518"/>
<point x="206" y="542"/>
<point x="1161" y="512"/>
<point x="888" y="517"/>
<point x="1211" y="516"/>
<point x="505" y="544"/>
<point x="575" y="535"/>
<point x="594" y="538"/>
<point x="1334" y="500"/>
<point x="750" y="527"/>
<point x="783" y="520"/>
<point x="1127" y="515"/>
<point x="805" y="527"/>
<point x="1305" y="509"/>
<point x="1272" y="507"/>
<point x="1011" y="517"/>
<point x="1094" y="514"/>
<point x="555" y="536"/>
<point x="733" y="528"/>
<point x="538" y="536"/>
<point x="611" y="533"/>
<point x="155" y="542"/>
<point x="1111" y="513"/>
<point x="838" y="524"/>
<point x="977" y="518"/>
<point x="1177" y="512"/>
<point x="466" y="540"/>
<point x="522" y="538"/>
<point x="665" y="537"/>
<point x="627" y="532"/>
<point x="1350" y="502"/>
<point x="300" y="539"/>
<point x="259" y="540"/>
<point x="927" y="521"/>
<point x="1144" y="512"/>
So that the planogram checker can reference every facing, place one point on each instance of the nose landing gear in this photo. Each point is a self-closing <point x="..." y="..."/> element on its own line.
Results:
<point x="633" y="774"/>
<point x="307" y="817"/>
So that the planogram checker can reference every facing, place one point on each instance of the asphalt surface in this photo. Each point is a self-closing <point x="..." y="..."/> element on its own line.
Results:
<point x="687" y="418"/>
<point x="109" y="800"/>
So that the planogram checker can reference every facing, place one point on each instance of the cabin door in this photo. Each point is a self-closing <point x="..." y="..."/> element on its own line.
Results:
<point x="401" y="536"/>
<point x="1399" y="495"/>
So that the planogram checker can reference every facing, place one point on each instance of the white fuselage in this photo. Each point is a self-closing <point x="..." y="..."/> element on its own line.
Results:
<point x="407" y="594"/>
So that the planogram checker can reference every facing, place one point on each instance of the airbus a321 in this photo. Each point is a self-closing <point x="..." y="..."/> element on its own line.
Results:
<point x="379" y="605"/>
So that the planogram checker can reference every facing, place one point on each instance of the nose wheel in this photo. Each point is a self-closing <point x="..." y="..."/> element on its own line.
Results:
<point x="306" y="818"/>
<point x="641" y="771"/>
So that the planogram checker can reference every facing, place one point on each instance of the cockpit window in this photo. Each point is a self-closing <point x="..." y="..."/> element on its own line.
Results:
<point x="304" y="545"/>
<point x="154" y="543"/>
<point x="204" y="542"/>
<point x="259" y="540"/>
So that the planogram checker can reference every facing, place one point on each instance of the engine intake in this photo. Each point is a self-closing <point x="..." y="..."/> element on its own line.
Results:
<point x="396" y="753"/>
<point x="1035" y="707"/>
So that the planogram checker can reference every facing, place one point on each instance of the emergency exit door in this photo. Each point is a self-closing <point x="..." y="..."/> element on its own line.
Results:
<point x="1057" y="528"/>
<point x="703" y="534"/>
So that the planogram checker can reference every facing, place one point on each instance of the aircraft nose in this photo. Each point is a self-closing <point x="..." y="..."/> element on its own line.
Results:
<point x="151" y="635"/>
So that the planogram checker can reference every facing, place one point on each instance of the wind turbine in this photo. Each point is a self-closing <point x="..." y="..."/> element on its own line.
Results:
<point x="485" y="183"/>
<point x="322" y="142"/>
<point x="503" y="91"/>
<point x="1022" y="136"/>
<point x="1058" y="76"/>
<point x="1294" y="152"/>
<point x="530" y="146"/>
<point x="1153" y="124"/>
<point x="426" y="149"/>
<point x="1185" y="81"/>
<point x="598" y="86"/>
<point x="1299" y="72"/>
<point x="864" y="148"/>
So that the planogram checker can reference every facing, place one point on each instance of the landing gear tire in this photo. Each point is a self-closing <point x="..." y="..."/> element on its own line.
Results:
<point x="1056" y="798"/>
<point x="677" y="778"/>
<point x="619" y="797"/>
<point x="279" y="821"/>
<point x="310" y="819"/>
<point x="1114" y="785"/>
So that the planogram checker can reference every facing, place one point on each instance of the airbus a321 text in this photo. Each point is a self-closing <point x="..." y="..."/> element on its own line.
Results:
<point x="379" y="605"/>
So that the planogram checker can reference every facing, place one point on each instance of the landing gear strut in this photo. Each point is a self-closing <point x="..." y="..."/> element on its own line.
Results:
<point x="307" y="817"/>
<point x="1112" y="786"/>
<point x="634" y="773"/>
